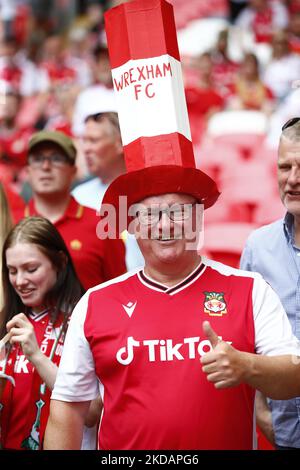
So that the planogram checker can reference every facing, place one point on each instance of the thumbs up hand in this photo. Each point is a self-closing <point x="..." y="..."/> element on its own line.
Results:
<point x="210" y="334"/>
<point x="224" y="366"/>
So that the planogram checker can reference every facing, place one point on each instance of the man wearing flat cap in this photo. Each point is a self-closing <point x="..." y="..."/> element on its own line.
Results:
<point x="51" y="170"/>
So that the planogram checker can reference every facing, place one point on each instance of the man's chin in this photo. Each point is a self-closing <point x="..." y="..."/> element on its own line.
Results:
<point x="45" y="190"/>
<point x="293" y="207"/>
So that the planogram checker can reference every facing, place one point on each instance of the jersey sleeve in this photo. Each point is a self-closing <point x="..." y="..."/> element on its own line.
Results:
<point x="76" y="379"/>
<point x="273" y="332"/>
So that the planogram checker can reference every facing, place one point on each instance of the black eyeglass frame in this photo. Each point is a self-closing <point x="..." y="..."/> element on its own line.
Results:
<point x="37" y="160"/>
<point x="168" y="210"/>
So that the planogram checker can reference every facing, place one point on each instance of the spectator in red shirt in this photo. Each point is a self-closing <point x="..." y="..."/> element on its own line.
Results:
<point x="263" y="18"/>
<point x="202" y="100"/>
<point x="10" y="70"/>
<point x="294" y="32"/>
<point x="55" y="62"/>
<point x="51" y="170"/>
<point x="13" y="138"/>
<point x="224" y="69"/>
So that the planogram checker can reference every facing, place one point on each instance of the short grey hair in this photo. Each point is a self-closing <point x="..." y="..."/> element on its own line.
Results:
<point x="292" y="133"/>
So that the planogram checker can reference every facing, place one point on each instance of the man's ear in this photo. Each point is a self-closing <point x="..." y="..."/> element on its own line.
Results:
<point x="74" y="173"/>
<point x="119" y="146"/>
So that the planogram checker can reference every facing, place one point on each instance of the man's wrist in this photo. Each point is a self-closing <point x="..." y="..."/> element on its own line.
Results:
<point x="248" y="368"/>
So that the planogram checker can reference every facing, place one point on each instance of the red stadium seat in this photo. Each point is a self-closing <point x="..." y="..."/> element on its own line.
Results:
<point x="224" y="242"/>
<point x="243" y="130"/>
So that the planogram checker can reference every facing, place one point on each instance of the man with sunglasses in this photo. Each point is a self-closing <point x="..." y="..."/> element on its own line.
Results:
<point x="51" y="171"/>
<point x="274" y="252"/>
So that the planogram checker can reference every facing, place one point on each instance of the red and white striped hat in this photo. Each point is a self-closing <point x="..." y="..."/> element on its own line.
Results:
<point x="153" y="116"/>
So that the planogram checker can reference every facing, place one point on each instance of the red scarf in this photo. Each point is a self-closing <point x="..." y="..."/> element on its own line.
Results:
<point x="36" y="408"/>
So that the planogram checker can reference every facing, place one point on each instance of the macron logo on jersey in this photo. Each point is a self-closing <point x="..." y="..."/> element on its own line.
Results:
<point x="165" y="350"/>
<point x="129" y="308"/>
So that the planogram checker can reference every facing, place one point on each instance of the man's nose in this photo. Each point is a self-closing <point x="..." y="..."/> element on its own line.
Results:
<point x="164" y="217"/>
<point x="294" y="176"/>
<point x="87" y="145"/>
<point x="165" y="225"/>
<point x="46" y="163"/>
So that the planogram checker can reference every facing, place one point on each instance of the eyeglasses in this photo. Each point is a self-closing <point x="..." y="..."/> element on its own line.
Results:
<point x="176" y="213"/>
<point x="290" y="123"/>
<point x="57" y="160"/>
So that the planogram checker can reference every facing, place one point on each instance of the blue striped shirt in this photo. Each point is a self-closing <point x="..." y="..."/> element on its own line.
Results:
<point x="271" y="251"/>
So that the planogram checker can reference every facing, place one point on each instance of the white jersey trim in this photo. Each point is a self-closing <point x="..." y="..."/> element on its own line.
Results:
<point x="171" y="290"/>
<point x="38" y="316"/>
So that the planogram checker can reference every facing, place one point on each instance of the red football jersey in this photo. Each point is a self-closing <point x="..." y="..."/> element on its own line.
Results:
<point x="156" y="395"/>
<point x="14" y="146"/>
<point x="25" y="410"/>
<point x="262" y="25"/>
<point x="143" y="341"/>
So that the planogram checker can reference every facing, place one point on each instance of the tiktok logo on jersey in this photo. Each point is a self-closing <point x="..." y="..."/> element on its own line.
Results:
<point x="131" y="343"/>
<point x="165" y="350"/>
<point x="21" y="365"/>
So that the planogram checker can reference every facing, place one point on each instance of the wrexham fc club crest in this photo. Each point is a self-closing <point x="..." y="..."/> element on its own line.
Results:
<point x="214" y="304"/>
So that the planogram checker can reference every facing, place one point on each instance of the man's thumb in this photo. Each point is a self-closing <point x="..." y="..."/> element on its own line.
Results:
<point x="210" y="334"/>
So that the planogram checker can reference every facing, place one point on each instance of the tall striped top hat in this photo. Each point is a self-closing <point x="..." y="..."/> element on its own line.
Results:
<point x="154" y="123"/>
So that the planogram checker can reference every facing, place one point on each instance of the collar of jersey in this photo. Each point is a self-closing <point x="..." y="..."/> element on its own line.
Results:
<point x="73" y="211"/>
<point x="152" y="284"/>
<point x="38" y="316"/>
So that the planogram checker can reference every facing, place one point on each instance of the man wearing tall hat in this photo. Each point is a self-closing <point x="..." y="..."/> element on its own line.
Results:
<point x="179" y="347"/>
